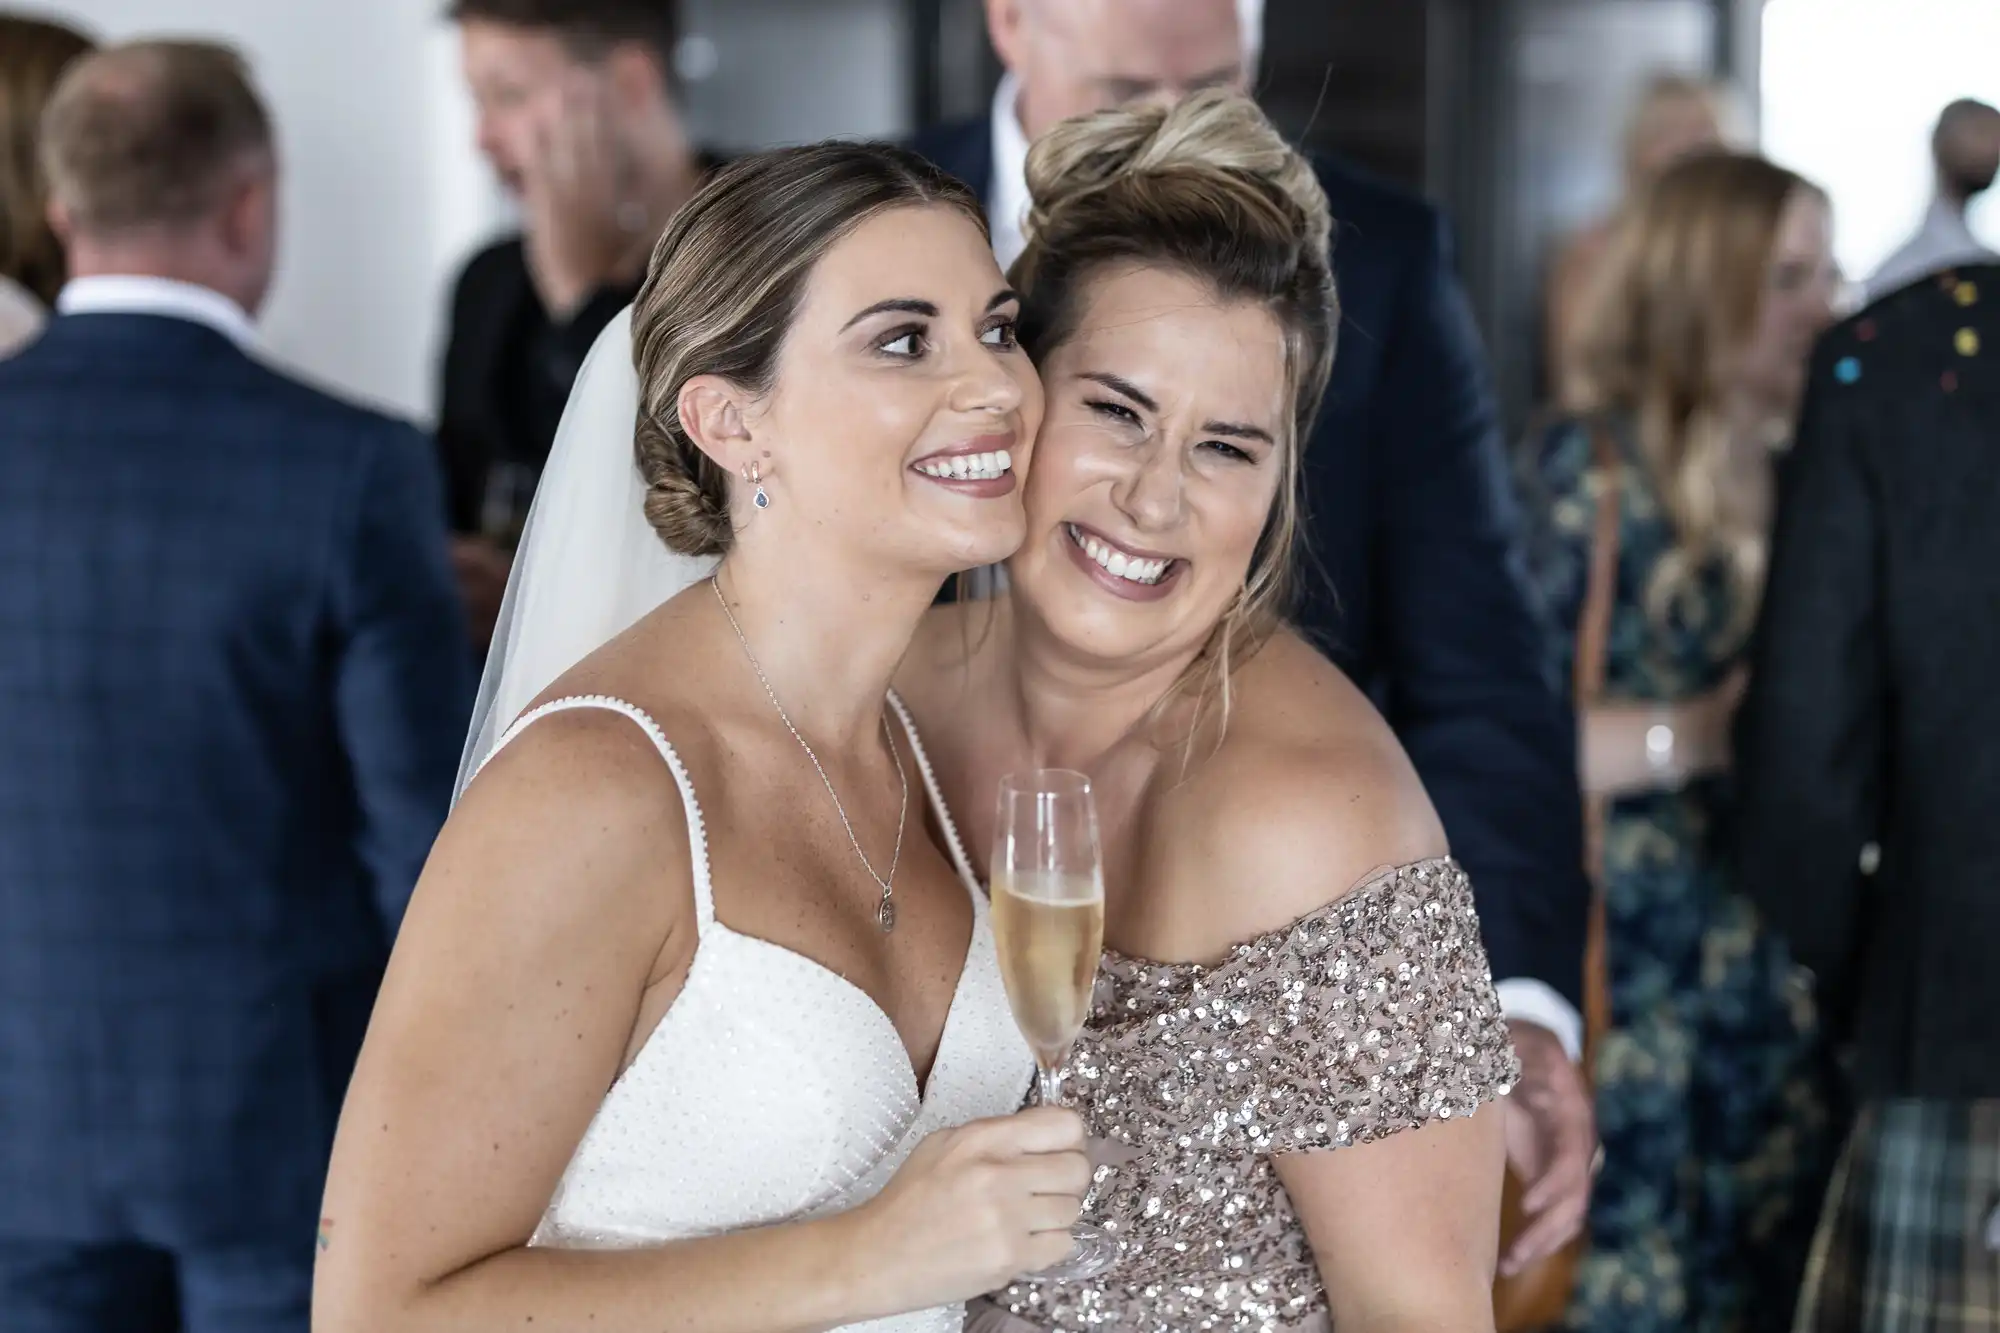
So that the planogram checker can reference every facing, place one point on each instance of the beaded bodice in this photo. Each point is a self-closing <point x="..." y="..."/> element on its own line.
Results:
<point x="773" y="1089"/>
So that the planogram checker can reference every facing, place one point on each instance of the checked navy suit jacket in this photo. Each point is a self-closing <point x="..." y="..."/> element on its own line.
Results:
<point x="234" y="682"/>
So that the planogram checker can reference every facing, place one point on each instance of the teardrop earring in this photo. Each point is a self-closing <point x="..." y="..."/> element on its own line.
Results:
<point x="754" y="474"/>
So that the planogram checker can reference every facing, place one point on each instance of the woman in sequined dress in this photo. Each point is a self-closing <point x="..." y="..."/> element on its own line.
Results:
<point x="1294" y="1028"/>
<point x="1712" y="1084"/>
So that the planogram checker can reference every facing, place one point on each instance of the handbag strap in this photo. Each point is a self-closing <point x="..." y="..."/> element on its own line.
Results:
<point x="1593" y="644"/>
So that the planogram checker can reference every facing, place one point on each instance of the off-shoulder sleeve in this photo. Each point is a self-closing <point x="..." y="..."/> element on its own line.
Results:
<point x="1375" y="1015"/>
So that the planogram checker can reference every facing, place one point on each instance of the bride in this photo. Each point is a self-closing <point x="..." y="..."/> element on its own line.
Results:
<point x="691" y="1021"/>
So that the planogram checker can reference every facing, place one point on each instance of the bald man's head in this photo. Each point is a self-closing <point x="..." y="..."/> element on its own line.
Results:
<point x="1966" y="146"/>
<point x="1072" y="57"/>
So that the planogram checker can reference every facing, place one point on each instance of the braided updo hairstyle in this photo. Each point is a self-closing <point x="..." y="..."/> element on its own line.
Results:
<point x="722" y="289"/>
<point x="1207" y="188"/>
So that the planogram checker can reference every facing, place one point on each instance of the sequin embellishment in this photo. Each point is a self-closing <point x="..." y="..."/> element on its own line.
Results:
<point x="1967" y="342"/>
<point x="1372" y="1015"/>
<point x="1847" y="369"/>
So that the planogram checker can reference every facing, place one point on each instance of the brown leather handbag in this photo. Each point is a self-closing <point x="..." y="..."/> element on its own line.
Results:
<point x="1536" y="1298"/>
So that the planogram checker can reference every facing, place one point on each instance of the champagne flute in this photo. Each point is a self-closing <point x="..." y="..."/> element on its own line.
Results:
<point x="1048" y="924"/>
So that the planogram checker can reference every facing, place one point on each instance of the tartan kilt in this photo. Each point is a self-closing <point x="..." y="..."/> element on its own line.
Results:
<point x="1902" y="1243"/>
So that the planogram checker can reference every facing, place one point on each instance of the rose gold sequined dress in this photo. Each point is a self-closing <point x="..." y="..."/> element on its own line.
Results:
<point x="1372" y="1015"/>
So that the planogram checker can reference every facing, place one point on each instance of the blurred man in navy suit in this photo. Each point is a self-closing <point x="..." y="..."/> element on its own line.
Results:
<point x="233" y="687"/>
<point x="1408" y="512"/>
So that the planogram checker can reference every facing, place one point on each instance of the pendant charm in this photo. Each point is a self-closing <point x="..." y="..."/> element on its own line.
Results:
<point x="761" y="499"/>
<point x="885" y="915"/>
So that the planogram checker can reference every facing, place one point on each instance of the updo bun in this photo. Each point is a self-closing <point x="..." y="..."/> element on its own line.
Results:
<point x="722" y="289"/>
<point x="1153" y="158"/>
<point x="1206" y="186"/>
<point x="687" y="497"/>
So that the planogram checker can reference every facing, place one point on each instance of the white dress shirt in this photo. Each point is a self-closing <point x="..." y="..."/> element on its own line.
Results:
<point x="1007" y="192"/>
<point x="1944" y="241"/>
<point x="139" y="294"/>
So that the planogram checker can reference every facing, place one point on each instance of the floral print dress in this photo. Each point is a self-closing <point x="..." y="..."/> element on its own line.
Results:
<point x="1713" y="1089"/>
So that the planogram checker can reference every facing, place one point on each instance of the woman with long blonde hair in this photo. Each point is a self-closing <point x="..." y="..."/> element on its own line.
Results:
<point x="33" y="54"/>
<point x="1649" y="509"/>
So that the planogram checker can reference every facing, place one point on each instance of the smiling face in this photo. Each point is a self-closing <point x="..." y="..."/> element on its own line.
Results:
<point x="1164" y="449"/>
<point x="901" y="407"/>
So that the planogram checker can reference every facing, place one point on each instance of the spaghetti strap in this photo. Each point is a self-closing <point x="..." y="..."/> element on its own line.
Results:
<point x="704" y="890"/>
<point x="959" y="860"/>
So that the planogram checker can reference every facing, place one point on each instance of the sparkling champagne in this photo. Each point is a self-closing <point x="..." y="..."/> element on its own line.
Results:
<point x="1049" y="928"/>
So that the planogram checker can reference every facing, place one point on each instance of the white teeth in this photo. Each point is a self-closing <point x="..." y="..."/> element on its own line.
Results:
<point x="1132" y="568"/>
<point x="970" y="467"/>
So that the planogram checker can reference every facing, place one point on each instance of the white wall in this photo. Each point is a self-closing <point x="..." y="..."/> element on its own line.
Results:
<point x="791" y="71"/>
<point x="1851" y="89"/>
<point x="383" y="194"/>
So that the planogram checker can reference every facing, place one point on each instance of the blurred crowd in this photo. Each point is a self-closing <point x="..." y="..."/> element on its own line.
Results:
<point x="227" y="740"/>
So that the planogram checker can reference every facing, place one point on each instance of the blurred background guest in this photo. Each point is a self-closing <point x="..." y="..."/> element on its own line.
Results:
<point x="1405" y="489"/>
<point x="1872" y="718"/>
<point x="1711" y="1095"/>
<point x="1965" y="146"/>
<point x="234" y="681"/>
<point x="33" y="54"/>
<point x="1673" y="117"/>
<point x="577" y="117"/>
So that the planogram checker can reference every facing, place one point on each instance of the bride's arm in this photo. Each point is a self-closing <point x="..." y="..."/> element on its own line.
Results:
<point x="557" y="894"/>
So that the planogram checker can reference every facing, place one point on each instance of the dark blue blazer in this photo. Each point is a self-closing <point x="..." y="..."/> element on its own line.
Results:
<point x="1425" y="602"/>
<point x="234" y="683"/>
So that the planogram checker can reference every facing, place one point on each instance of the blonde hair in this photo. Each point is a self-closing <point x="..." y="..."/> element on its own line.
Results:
<point x="148" y="134"/>
<point x="1684" y="281"/>
<point x="1209" y="188"/>
<point x="725" y="281"/>
<point x="1664" y="96"/>
<point x="33" y="55"/>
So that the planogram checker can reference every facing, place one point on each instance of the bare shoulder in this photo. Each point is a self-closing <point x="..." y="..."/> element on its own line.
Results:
<point x="580" y="815"/>
<point x="1308" y="794"/>
<point x="594" y="772"/>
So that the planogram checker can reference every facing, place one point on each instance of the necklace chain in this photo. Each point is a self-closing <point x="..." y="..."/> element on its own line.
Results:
<point x="885" y="911"/>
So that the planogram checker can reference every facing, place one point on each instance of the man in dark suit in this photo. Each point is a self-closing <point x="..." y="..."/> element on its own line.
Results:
<point x="1869" y="756"/>
<point x="1409" y="514"/>
<point x="577" y="117"/>
<point x="233" y="689"/>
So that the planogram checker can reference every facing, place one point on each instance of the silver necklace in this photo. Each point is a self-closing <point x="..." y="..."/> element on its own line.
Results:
<point x="885" y="911"/>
